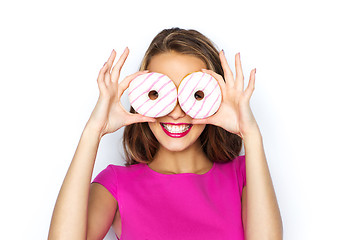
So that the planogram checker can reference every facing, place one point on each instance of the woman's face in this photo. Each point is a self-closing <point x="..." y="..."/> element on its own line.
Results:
<point x="174" y="138"/>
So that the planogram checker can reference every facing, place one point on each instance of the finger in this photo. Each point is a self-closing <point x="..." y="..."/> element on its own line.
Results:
<point x="135" y="117"/>
<point x="118" y="66"/>
<point x="109" y="63"/>
<point x="100" y="79"/>
<point x="239" y="83"/>
<point x="208" y="120"/>
<point x="123" y="85"/>
<point x="240" y="135"/>
<point x="251" y="84"/>
<point x="101" y="73"/>
<point x="199" y="121"/>
<point x="228" y="75"/>
<point x="218" y="77"/>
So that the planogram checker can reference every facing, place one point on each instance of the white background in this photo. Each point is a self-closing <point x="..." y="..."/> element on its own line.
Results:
<point x="304" y="101"/>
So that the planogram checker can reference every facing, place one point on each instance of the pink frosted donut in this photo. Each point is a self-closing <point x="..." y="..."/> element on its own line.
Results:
<point x="199" y="95"/>
<point x="152" y="94"/>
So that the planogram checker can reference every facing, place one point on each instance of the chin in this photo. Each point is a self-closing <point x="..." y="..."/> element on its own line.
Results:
<point x="176" y="144"/>
<point x="174" y="148"/>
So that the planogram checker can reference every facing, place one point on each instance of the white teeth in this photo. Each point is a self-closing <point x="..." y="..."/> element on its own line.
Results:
<point x="176" y="128"/>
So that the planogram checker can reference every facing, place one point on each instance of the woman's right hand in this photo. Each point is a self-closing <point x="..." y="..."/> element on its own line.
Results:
<point x="109" y="114"/>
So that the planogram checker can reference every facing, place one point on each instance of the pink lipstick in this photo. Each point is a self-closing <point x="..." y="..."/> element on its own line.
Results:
<point x="176" y="130"/>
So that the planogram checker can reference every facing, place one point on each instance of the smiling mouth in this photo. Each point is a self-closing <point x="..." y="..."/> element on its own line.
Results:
<point x="176" y="130"/>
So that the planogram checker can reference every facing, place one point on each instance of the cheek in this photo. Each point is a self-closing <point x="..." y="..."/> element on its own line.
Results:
<point x="152" y="126"/>
<point x="199" y="128"/>
<point x="155" y="128"/>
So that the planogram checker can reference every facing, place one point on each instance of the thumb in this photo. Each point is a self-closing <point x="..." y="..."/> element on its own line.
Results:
<point x="200" y="121"/>
<point x="135" y="118"/>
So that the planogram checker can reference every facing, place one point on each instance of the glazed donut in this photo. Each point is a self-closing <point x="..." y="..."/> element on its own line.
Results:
<point x="199" y="95"/>
<point x="152" y="94"/>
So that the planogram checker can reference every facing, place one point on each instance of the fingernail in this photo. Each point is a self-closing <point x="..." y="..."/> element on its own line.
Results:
<point x="104" y="64"/>
<point x="223" y="51"/>
<point x="255" y="71"/>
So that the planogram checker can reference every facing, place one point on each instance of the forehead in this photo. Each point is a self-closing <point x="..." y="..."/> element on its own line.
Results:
<point x="175" y="65"/>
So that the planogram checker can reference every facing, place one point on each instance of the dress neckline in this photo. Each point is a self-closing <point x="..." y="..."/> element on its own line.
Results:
<point x="180" y="174"/>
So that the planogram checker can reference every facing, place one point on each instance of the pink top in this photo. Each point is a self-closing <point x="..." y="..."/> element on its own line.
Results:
<point x="155" y="206"/>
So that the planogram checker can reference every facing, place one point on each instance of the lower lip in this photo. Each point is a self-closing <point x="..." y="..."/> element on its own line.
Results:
<point x="176" y="135"/>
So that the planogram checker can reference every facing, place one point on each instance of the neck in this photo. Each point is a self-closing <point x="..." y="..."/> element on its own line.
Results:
<point x="190" y="160"/>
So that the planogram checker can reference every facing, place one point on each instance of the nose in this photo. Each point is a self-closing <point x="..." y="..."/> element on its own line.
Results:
<point x="177" y="112"/>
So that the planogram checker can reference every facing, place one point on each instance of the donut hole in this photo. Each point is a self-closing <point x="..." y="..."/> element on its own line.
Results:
<point x="153" y="94"/>
<point x="199" y="95"/>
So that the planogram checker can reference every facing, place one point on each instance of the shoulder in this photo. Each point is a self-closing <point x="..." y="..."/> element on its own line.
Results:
<point x="241" y="171"/>
<point x="235" y="165"/>
<point x="239" y="158"/>
<point x="114" y="177"/>
<point x="239" y="162"/>
<point x="239" y="167"/>
<point x="126" y="169"/>
<point x="113" y="171"/>
<point x="123" y="172"/>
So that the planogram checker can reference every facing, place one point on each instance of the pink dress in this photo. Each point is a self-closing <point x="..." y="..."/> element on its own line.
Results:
<point x="185" y="206"/>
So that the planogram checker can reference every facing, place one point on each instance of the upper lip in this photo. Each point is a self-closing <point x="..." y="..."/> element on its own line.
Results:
<point x="176" y="123"/>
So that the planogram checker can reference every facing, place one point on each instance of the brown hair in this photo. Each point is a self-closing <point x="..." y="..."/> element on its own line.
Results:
<point x="140" y="144"/>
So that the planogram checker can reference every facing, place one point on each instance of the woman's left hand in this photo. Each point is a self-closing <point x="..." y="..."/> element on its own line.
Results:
<point x="234" y="113"/>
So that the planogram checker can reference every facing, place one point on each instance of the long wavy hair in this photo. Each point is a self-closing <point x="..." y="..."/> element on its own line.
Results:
<point x="140" y="144"/>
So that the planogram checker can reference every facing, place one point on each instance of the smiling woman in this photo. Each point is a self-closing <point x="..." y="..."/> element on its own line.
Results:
<point x="177" y="53"/>
<point x="176" y="66"/>
<point x="183" y="177"/>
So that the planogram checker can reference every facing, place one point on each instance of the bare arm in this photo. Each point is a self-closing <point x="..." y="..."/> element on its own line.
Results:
<point x="261" y="215"/>
<point x="79" y="205"/>
<point x="260" y="211"/>
<point x="102" y="207"/>
<point x="69" y="219"/>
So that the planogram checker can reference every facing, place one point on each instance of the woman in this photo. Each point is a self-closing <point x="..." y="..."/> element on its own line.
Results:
<point x="187" y="183"/>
